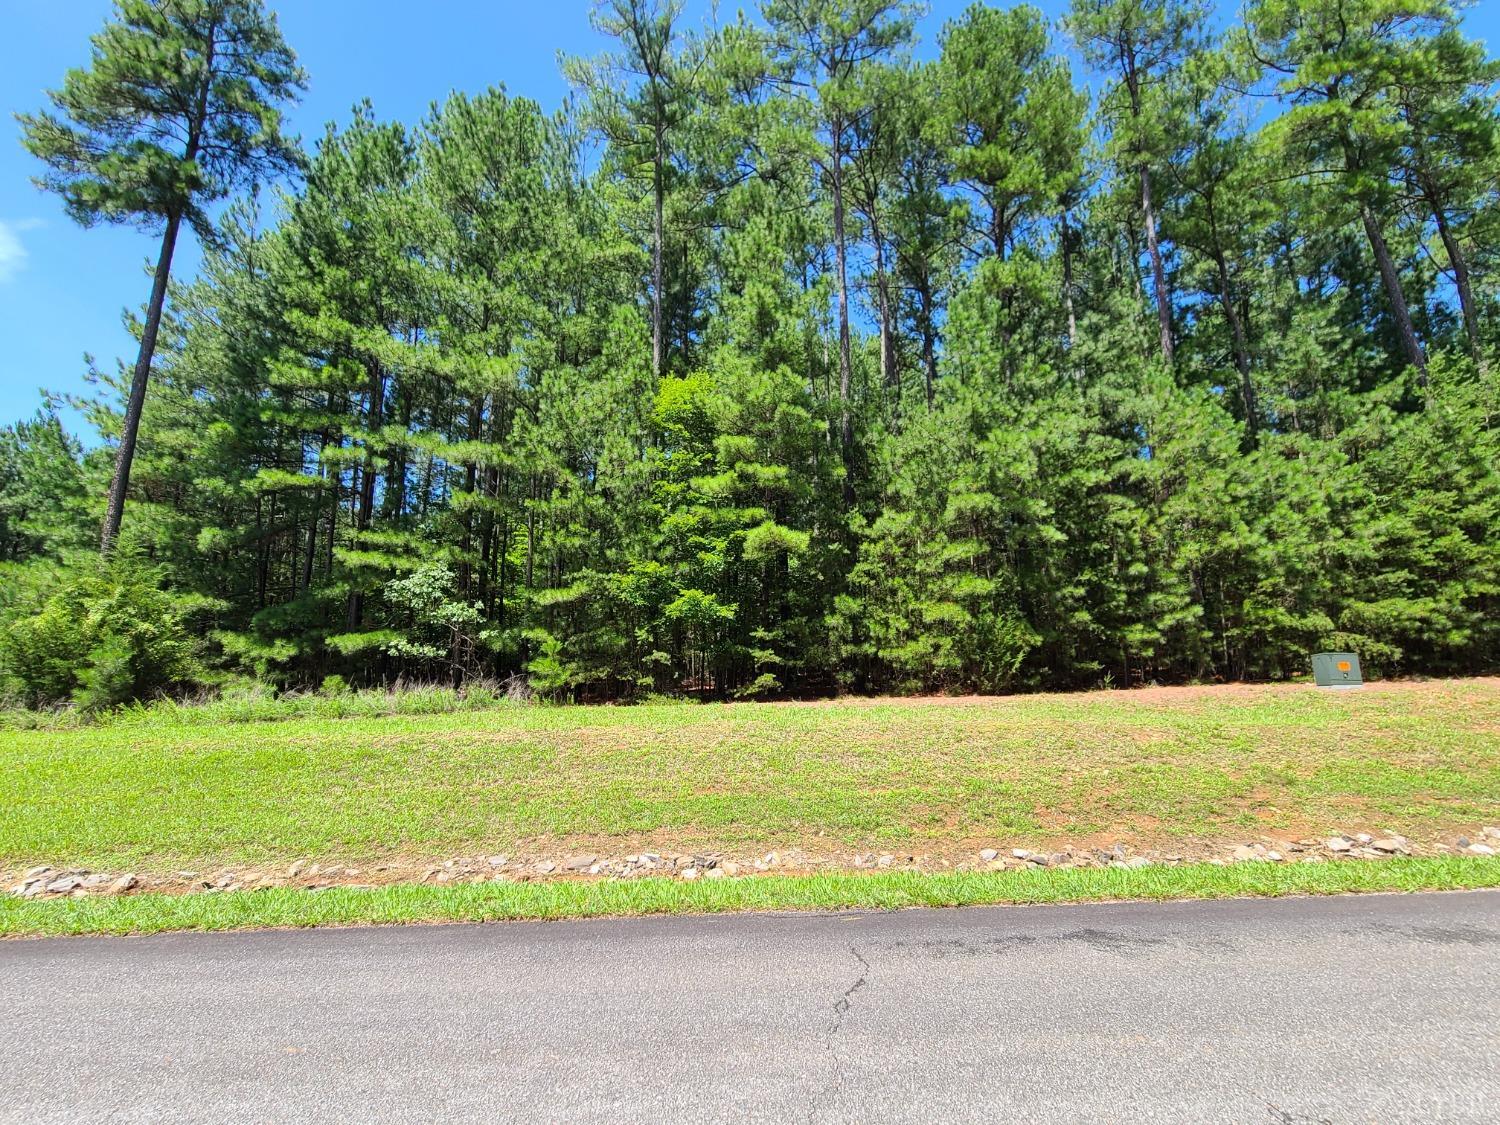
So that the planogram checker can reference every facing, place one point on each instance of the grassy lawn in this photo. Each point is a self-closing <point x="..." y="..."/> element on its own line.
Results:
<point x="178" y="788"/>
<point x="287" y="907"/>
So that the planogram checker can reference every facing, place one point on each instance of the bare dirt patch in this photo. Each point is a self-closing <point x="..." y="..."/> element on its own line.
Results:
<point x="607" y="860"/>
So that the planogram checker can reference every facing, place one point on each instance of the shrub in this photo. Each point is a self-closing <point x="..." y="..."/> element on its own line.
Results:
<point x="99" y="635"/>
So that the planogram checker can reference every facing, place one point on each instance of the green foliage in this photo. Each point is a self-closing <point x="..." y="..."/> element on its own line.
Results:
<point x="98" y="636"/>
<point x="1014" y="132"/>
<point x="828" y="369"/>
<point x="43" y="508"/>
<point x="177" y="108"/>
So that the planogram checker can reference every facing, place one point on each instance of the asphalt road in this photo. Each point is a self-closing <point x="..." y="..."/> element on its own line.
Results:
<point x="1378" y="1008"/>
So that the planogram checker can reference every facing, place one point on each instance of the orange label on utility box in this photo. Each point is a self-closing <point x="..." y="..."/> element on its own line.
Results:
<point x="1343" y="666"/>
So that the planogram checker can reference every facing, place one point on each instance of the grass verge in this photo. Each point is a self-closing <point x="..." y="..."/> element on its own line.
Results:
<point x="186" y="788"/>
<point x="287" y="907"/>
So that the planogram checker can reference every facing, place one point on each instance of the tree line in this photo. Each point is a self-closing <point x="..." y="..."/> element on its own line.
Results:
<point x="782" y="360"/>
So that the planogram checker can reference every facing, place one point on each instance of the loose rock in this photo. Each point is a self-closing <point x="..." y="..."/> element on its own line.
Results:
<point x="122" y="884"/>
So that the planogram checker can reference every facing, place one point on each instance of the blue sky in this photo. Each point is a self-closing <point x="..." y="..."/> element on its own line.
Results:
<point x="63" y="289"/>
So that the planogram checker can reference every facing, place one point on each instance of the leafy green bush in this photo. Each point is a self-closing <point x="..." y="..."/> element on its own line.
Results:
<point x="99" y="635"/>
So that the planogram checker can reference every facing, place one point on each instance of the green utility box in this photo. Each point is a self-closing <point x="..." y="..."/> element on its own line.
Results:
<point x="1336" y="669"/>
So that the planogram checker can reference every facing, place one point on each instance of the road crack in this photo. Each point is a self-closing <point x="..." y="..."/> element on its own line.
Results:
<point x="841" y="1007"/>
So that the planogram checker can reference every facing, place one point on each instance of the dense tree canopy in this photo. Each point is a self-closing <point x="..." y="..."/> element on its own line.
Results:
<point x="785" y="362"/>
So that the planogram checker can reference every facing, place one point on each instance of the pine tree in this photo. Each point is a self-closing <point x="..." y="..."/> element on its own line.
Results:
<point x="42" y="503"/>
<point x="1139" y="44"/>
<point x="825" y="370"/>
<point x="1337" y="65"/>
<point x="177" y="109"/>
<point x="819" y="51"/>
<point x="642" y="124"/>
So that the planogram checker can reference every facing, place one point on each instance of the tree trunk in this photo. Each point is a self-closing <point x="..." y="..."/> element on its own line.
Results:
<point x="531" y="535"/>
<point x="502" y="548"/>
<point x="1135" y="265"/>
<point x="471" y="479"/>
<point x="1158" y="271"/>
<point x="373" y="421"/>
<point x="889" y="376"/>
<point x="367" y="479"/>
<point x="491" y="485"/>
<point x="846" y="422"/>
<point x="268" y="538"/>
<point x="999" y="228"/>
<point x="1460" y="265"/>
<point x="657" y="236"/>
<point x="393" y="503"/>
<point x="1241" y="346"/>
<point x="929" y="342"/>
<point x="120" y="483"/>
<point x="312" y="531"/>
<point x="310" y="554"/>
<point x="1393" y="291"/>
<point x="1066" y="240"/>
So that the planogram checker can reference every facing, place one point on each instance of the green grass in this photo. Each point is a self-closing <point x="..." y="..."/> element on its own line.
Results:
<point x="172" y="788"/>
<point x="284" y="907"/>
